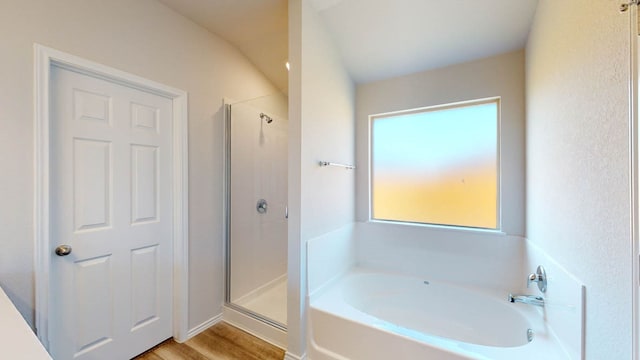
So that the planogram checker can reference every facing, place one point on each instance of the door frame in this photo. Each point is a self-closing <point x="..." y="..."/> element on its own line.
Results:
<point x="634" y="178"/>
<point x="45" y="59"/>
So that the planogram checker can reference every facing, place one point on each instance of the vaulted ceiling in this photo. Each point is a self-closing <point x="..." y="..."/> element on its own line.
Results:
<point x="378" y="39"/>
<point x="381" y="39"/>
<point x="258" y="28"/>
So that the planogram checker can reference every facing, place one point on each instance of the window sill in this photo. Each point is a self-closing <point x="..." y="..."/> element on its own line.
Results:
<point x="444" y="228"/>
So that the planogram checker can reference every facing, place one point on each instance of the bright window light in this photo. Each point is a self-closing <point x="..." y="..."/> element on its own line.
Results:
<point x="437" y="165"/>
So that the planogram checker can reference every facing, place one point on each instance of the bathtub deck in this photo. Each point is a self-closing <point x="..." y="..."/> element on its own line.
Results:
<point x="220" y="342"/>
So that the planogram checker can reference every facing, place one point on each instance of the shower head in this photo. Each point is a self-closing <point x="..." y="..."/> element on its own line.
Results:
<point x="266" y="118"/>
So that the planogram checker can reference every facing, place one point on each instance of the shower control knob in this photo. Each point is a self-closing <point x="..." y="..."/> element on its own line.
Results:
<point x="261" y="206"/>
<point x="540" y="277"/>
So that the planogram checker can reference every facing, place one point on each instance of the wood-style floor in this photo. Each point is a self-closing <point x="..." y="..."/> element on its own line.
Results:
<point x="220" y="342"/>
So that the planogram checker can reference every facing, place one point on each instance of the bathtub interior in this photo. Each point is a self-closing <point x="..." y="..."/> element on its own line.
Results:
<point x="347" y="323"/>
<point x="440" y="309"/>
<point x="493" y="265"/>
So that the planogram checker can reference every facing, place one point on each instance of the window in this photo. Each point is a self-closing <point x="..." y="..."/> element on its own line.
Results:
<point x="437" y="165"/>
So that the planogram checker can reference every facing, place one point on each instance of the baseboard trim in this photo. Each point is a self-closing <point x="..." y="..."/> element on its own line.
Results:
<point x="290" y="356"/>
<point x="204" y="326"/>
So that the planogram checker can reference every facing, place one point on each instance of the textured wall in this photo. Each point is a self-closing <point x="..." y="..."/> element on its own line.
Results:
<point x="328" y="199"/>
<point x="145" y="38"/>
<point x="321" y="127"/>
<point x="578" y="158"/>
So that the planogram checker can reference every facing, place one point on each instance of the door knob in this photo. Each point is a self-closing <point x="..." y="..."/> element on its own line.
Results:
<point x="63" y="250"/>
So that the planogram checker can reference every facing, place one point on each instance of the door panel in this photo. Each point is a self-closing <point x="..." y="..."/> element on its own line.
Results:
<point x="92" y="107"/>
<point x="144" y="172"/>
<point x="111" y="298"/>
<point x="144" y="275"/>
<point x="93" y="186"/>
<point x="92" y="303"/>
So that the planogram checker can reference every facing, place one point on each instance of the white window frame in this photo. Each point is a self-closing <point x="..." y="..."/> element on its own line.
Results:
<point x="452" y="105"/>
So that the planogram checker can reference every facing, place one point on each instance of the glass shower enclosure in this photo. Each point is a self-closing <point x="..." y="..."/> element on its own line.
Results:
<point x="256" y="208"/>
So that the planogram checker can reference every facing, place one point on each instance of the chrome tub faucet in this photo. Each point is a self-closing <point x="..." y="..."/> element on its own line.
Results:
<point x="526" y="299"/>
<point x="539" y="277"/>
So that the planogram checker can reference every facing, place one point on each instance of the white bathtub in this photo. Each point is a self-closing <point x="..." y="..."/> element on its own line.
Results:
<point x="372" y="315"/>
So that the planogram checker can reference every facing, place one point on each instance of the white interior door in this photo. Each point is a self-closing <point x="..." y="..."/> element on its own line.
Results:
<point x="111" y="296"/>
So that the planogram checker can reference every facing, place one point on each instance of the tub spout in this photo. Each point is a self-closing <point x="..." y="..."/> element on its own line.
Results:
<point x="526" y="299"/>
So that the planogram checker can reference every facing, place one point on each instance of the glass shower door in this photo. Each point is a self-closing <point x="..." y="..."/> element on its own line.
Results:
<point x="257" y="199"/>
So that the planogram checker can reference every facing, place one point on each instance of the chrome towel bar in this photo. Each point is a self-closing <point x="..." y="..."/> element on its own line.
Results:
<point x="346" y="166"/>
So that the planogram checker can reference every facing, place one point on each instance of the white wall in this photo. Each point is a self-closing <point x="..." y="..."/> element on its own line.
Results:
<point x="501" y="75"/>
<point x="322" y="199"/>
<point x="145" y="38"/>
<point x="456" y="256"/>
<point x="578" y="158"/>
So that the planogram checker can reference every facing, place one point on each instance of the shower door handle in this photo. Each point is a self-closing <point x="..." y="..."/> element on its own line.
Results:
<point x="286" y="212"/>
<point x="261" y="206"/>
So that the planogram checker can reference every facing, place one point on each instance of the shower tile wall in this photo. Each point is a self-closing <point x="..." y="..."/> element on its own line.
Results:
<point x="258" y="171"/>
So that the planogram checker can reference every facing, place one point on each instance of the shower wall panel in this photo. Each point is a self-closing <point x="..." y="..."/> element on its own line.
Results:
<point x="258" y="171"/>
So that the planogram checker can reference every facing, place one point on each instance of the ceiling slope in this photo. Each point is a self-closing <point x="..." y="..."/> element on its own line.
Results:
<point x="258" y="28"/>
